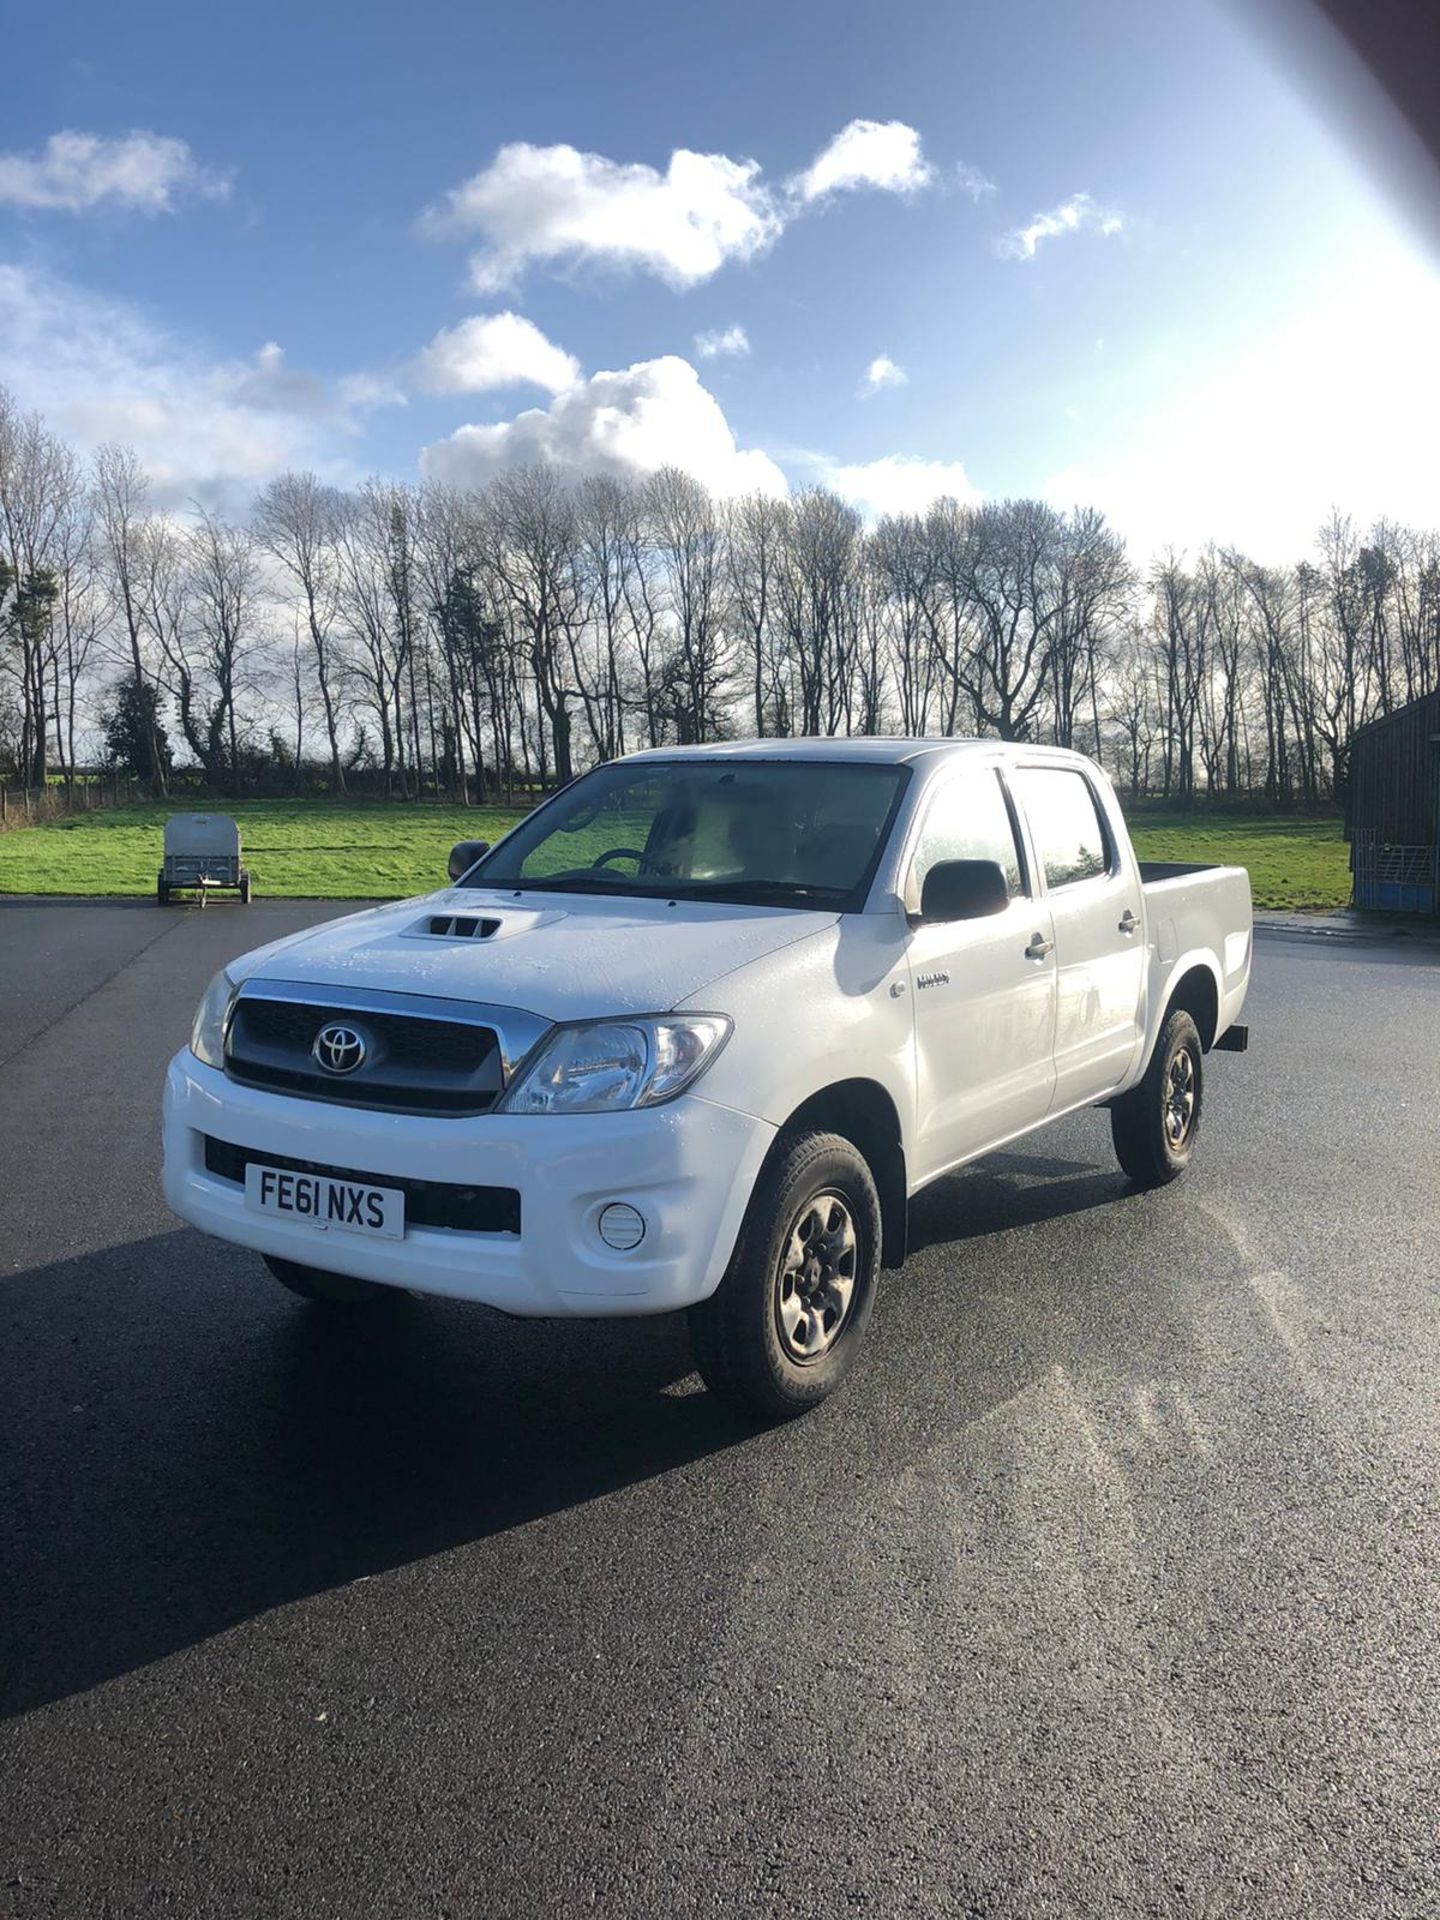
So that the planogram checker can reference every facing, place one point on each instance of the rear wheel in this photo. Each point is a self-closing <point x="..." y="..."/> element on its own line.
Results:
<point x="244" y="888"/>
<point x="1155" y="1125"/>
<point x="326" y="1289"/>
<point x="162" y="891"/>
<point x="786" y="1323"/>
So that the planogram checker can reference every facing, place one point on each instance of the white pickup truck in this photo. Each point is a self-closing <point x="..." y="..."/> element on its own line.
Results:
<point x="695" y="1031"/>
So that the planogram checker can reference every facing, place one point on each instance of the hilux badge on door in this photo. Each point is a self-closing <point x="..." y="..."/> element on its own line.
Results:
<point x="338" y="1048"/>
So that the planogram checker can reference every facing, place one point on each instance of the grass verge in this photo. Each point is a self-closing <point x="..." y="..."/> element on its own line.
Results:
<point x="324" y="850"/>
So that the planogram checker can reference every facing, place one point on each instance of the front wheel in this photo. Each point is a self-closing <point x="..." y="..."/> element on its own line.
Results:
<point x="1155" y="1125"/>
<point x="325" y="1289"/>
<point x="786" y="1323"/>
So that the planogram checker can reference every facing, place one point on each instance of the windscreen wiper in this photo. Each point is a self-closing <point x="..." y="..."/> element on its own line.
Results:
<point x="582" y="880"/>
<point x="763" y="890"/>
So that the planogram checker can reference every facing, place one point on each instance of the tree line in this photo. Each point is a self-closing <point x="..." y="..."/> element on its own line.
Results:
<point x="420" y="640"/>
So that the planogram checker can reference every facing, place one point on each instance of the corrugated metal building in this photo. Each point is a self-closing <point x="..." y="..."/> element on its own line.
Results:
<point x="1393" y="815"/>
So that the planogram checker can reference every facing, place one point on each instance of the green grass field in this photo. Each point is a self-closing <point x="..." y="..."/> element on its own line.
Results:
<point x="295" y="849"/>
<point x="377" y="851"/>
<point x="1294" y="861"/>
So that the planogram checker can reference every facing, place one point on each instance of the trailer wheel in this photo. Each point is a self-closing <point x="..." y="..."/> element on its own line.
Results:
<point x="325" y="1289"/>
<point x="1155" y="1125"/>
<point x="786" y="1323"/>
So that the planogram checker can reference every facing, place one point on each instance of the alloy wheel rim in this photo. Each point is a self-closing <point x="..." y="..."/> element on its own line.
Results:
<point x="1180" y="1090"/>
<point x="816" y="1283"/>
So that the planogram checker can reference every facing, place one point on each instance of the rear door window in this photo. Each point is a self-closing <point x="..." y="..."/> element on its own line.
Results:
<point x="1071" y="842"/>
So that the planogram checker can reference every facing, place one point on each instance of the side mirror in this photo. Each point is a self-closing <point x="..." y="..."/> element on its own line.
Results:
<point x="464" y="854"/>
<point x="964" y="890"/>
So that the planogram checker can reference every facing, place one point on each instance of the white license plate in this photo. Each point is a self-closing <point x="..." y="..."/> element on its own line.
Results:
<point x="322" y="1202"/>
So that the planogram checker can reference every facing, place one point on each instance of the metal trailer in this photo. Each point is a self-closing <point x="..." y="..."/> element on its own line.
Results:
<point x="202" y="855"/>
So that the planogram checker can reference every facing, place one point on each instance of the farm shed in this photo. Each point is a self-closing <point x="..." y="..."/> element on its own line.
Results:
<point x="1393" y="812"/>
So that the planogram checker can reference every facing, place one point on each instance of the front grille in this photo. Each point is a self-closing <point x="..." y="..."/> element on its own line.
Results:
<point x="428" y="1203"/>
<point x="413" y="1063"/>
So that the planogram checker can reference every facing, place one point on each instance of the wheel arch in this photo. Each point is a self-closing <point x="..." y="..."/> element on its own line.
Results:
<point x="1196" y="991"/>
<point x="864" y="1113"/>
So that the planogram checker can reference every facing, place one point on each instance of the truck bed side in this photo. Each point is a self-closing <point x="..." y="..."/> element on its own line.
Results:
<point x="1197" y="915"/>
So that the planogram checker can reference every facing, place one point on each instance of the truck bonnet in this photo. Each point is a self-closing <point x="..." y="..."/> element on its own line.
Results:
<point x="562" y="957"/>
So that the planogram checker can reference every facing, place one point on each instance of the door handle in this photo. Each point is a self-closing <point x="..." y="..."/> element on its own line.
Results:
<point x="1128" y="922"/>
<point x="1038" y="948"/>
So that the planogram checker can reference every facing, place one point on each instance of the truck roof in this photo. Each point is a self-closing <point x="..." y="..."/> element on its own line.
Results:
<point x="875" y="748"/>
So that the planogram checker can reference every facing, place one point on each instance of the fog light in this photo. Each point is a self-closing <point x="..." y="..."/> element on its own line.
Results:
<point x="621" y="1227"/>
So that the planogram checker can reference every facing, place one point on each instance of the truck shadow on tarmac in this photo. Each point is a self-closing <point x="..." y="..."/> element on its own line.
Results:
<point x="1009" y="1190"/>
<point x="184" y="1447"/>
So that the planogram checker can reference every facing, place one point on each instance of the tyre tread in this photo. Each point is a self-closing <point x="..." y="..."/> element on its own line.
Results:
<point x="728" y="1356"/>
<point x="1136" y="1126"/>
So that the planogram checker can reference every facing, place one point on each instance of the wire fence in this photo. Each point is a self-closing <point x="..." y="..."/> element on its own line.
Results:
<point x="28" y="806"/>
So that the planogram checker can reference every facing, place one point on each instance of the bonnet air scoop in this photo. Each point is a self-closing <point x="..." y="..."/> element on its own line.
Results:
<point x="456" y="926"/>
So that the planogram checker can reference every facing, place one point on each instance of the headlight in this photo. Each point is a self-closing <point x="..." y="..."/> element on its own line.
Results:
<point x="609" y="1065"/>
<point x="207" y="1036"/>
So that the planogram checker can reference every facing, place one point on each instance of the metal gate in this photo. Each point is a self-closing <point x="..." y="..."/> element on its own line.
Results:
<point x="1394" y="879"/>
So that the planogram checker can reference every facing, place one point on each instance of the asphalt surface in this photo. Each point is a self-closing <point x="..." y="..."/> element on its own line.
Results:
<point x="1107" y="1587"/>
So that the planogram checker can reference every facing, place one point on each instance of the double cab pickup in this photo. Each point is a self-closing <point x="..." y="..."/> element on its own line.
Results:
<point x="693" y="1034"/>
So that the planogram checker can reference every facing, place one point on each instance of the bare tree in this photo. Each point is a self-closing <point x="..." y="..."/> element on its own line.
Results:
<point x="296" y="522"/>
<point x="816" y="589"/>
<point x="754" y="534"/>
<point x="122" y="511"/>
<point x="610" y="544"/>
<point x="528" y="541"/>
<point x="39" y="485"/>
<point x="1093" y="587"/>
<point x="79" y="613"/>
<point x="1179" y="624"/>
<point x="223" y="571"/>
<point x="382" y="631"/>
<point x="543" y="623"/>
<point x="687" y="533"/>
<point x="999" y="566"/>
<point x="904" y="565"/>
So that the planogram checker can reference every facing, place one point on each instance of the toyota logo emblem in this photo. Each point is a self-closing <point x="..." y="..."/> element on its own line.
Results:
<point x="338" y="1048"/>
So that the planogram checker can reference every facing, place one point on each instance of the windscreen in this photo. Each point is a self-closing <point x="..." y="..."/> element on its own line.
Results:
<point x="796" y="833"/>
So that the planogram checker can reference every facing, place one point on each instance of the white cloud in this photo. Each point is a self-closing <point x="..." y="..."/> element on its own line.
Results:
<point x="723" y="343"/>
<point x="556" y="204"/>
<point x="881" y="373"/>
<point x="492" y="350"/>
<point x="1333" y="409"/>
<point x="868" y="153"/>
<point x="560" y="207"/>
<point x="98" y="370"/>
<point x="897" y="483"/>
<point x="72" y="172"/>
<point x="633" y="422"/>
<point x="971" y="181"/>
<point x="1078" y="214"/>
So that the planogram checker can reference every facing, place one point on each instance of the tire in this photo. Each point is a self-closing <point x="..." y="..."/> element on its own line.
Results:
<point x="1156" y="1125"/>
<point x="244" y="888"/>
<point x="748" y="1337"/>
<point x="326" y="1289"/>
<point x="162" y="892"/>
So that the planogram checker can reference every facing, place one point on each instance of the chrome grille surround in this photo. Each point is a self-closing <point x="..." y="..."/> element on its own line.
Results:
<point x="425" y="1055"/>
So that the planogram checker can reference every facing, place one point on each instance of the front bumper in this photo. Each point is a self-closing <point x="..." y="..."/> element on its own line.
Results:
<point x="689" y="1168"/>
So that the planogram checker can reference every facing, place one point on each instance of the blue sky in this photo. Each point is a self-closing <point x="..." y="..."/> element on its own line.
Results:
<point x="1218" y="325"/>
